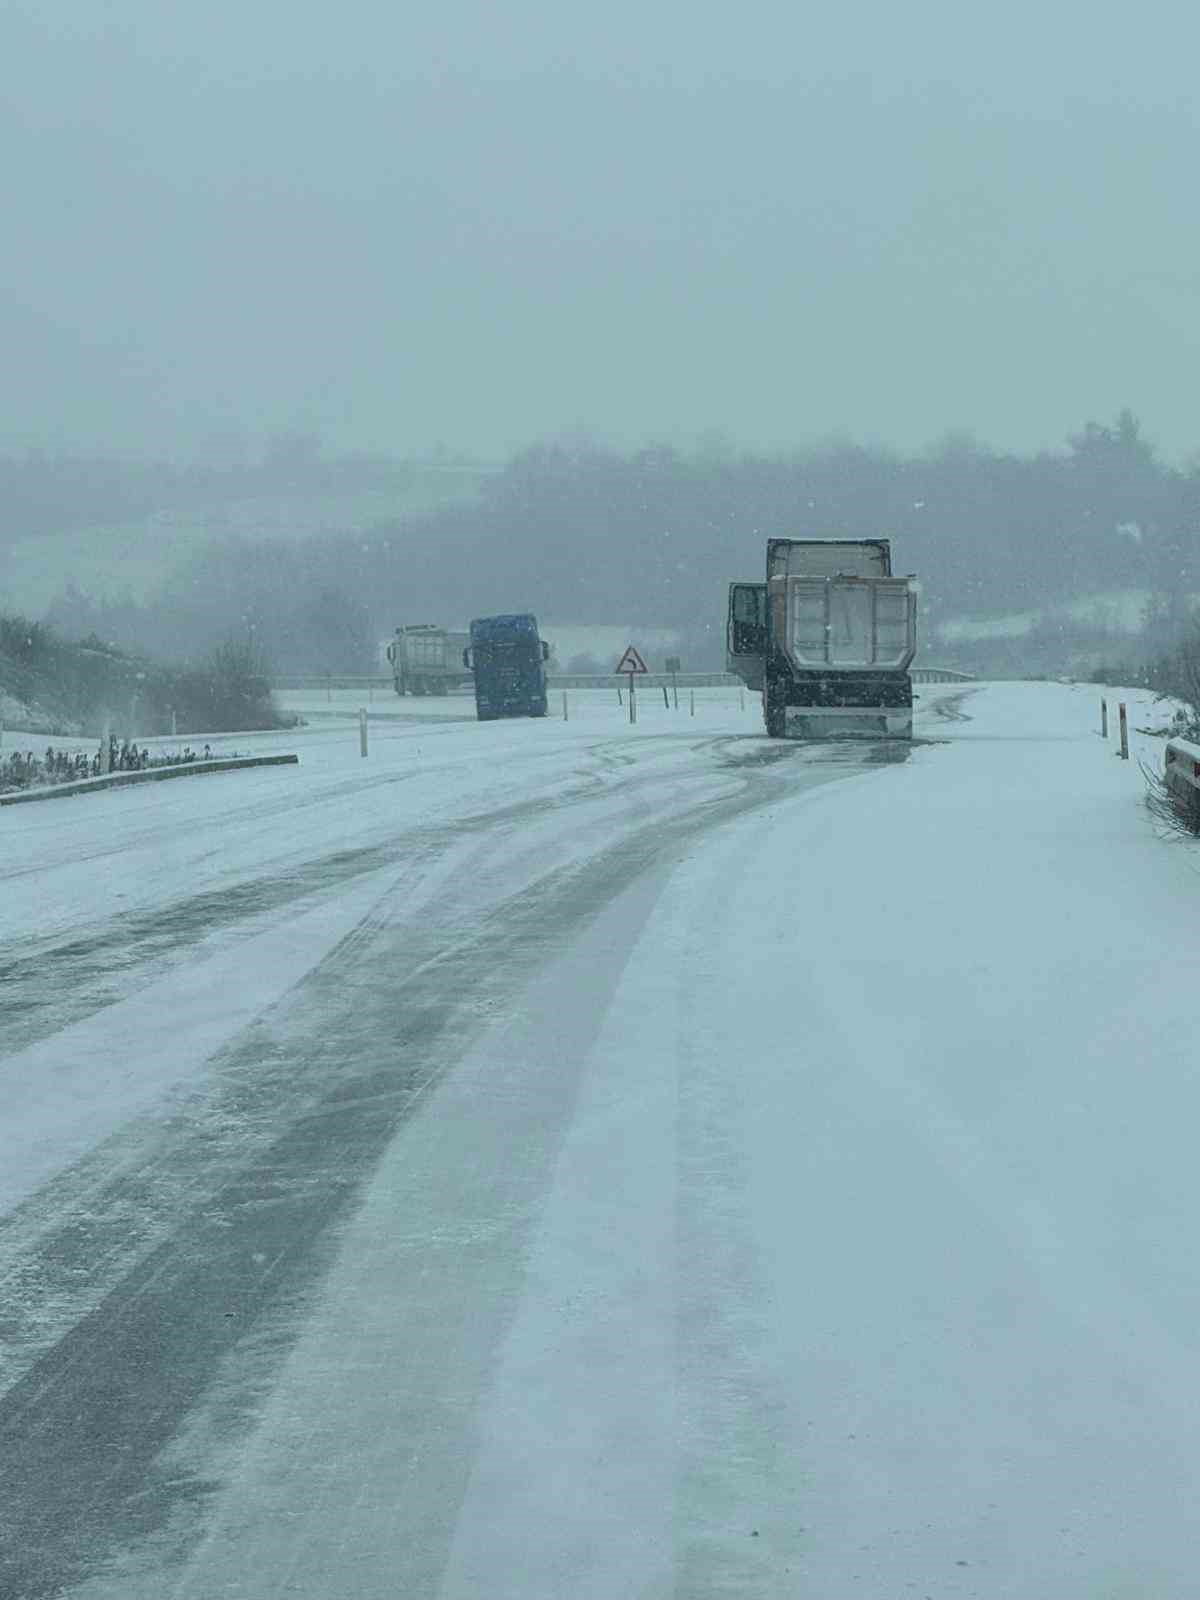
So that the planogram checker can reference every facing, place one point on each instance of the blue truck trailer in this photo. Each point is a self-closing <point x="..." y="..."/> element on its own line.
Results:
<point x="508" y="659"/>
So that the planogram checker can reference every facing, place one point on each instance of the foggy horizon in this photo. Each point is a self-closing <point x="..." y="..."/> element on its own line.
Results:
<point x="401" y="232"/>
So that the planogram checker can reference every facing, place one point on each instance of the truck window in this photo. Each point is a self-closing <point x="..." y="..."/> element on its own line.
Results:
<point x="747" y="604"/>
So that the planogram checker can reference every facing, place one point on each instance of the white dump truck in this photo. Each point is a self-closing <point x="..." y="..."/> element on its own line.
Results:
<point x="426" y="659"/>
<point x="828" y="639"/>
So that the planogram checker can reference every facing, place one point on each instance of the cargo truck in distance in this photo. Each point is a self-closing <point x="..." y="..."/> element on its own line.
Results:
<point x="426" y="659"/>
<point x="508" y="659"/>
<point x="828" y="639"/>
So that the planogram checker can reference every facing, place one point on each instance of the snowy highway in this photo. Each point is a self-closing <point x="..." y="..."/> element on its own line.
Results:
<point x="568" y="1159"/>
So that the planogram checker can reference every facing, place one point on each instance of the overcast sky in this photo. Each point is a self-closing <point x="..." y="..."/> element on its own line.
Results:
<point x="480" y="225"/>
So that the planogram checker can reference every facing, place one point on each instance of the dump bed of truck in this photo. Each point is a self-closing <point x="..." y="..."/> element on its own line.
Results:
<point x="829" y="638"/>
<point x="848" y="623"/>
<point x="427" y="659"/>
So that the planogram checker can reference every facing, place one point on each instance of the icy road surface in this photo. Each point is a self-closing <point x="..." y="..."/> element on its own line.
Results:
<point x="566" y="1160"/>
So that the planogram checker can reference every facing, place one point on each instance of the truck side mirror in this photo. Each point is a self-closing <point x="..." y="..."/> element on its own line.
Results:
<point x="545" y="651"/>
<point x="467" y="659"/>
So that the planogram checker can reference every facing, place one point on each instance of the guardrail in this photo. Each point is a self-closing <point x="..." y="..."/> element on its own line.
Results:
<point x="1181" y="774"/>
<point x="368" y="683"/>
<point x="295" y="682"/>
<point x="119" y="780"/>
<point x="645" y="680"/>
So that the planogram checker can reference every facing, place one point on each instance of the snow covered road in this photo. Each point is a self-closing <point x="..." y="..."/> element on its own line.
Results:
<point x="580" y="1160"/>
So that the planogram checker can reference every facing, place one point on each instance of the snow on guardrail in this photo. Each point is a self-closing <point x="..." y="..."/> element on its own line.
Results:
<point x="117" y="780"/>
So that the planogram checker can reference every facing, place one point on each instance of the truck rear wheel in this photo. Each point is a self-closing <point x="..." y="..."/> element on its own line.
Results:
<point x="774" y="714"/>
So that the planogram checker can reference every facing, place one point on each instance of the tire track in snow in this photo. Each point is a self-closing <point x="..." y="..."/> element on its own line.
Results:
<point x="49" y="985"/>
<point x="263" y="1177"/>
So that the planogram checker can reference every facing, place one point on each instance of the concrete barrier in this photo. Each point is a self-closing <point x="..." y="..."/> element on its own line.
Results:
<point x="119" y="780"/>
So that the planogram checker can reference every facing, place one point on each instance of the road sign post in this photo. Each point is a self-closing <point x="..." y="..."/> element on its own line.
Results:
<point x="632" y="663"/>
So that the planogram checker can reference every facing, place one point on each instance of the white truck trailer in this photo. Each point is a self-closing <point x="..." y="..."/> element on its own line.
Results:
<point x="828" y="639"/>
<point x="426" y="659"/>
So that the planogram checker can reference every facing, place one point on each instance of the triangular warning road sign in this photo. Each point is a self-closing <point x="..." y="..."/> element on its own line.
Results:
<point x="631" y="662"/>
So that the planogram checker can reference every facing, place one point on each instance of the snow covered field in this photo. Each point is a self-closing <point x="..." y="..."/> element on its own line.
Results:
<point x="567" y="1159"/>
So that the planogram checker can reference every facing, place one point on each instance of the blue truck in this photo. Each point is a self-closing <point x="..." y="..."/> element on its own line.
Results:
<point x="508" y="660"/>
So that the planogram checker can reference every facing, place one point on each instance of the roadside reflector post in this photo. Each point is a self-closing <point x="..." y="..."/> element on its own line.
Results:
<point x="362" y="730"/>
<point x="693" y="711"/>
<point x="1124" y="731"/>
<point x="632" y="700"/>
<point x="565" y="705"/>
<point x="666" y="699"/>
<point x="1104" y="719"/>
<point x="620" y="698"/>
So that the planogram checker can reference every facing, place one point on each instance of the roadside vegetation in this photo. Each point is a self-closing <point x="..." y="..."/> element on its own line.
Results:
<point x="1175" y="677"/>
<point x="51" y="685"/>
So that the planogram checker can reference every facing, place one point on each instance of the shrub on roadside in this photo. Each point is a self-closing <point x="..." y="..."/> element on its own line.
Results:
<point x="51" y="686"/>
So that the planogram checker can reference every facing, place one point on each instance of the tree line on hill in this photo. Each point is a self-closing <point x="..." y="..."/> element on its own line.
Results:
<point x="582" y="534"/>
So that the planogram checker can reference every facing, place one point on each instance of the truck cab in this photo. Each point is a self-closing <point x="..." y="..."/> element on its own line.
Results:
<point x="746" y="633"/>
<point x="508" y="659"/>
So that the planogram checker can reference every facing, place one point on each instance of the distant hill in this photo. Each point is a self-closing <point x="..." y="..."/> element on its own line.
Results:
<point x="124" y="529"/>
